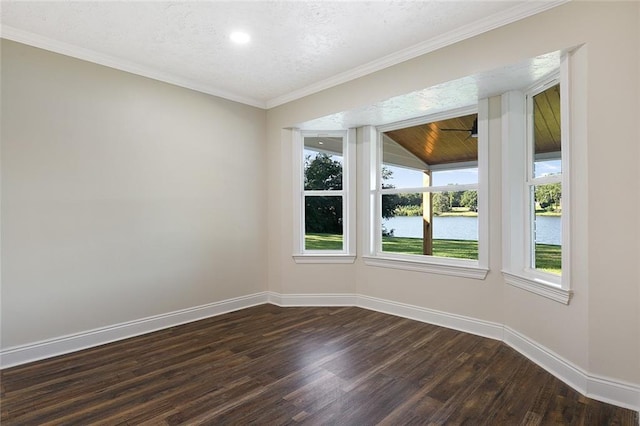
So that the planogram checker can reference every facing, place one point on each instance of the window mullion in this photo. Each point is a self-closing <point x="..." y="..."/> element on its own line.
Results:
<point x="324" y="193"/>
<point x="442" y="188"/>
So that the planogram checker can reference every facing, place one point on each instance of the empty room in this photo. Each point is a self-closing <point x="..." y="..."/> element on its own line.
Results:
<point x="320" y="212"/>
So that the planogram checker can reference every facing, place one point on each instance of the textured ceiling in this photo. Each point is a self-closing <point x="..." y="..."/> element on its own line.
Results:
<point x="297" y="47"/>
<point x="458" y="94"/>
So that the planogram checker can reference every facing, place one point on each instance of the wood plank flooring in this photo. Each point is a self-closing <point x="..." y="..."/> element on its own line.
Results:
<point x="275" y="366"/>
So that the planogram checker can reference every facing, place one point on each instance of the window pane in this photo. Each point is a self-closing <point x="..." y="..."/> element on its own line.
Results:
<point x="323" y="161"/>
<point x="454" y="176"/>
<point x="402" y="177"/>
<point x="408" y="227"/>
<point x="546" y="132"/>
<point x="323" y="223"/>
<point x="449" y="146"/>
<point x="547" y="167"/>
<point x="547" y="228"/>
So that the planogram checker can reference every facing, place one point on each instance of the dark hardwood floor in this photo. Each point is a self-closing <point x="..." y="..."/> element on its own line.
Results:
<point x="271" y="365"/>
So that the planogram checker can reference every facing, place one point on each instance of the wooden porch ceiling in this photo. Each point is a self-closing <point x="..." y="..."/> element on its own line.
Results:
<point x="434" y="146"/>
<point x="546" y="119"/>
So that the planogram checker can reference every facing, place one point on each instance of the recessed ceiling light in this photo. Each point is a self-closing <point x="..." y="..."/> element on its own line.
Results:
<point x="240" y="37"/>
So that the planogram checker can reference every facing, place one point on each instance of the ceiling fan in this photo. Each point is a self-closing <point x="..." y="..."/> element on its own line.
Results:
<point x="473" y="131"/>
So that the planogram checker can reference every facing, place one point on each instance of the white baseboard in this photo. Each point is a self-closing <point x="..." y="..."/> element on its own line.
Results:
<point x="550" y="361"/>
<point x="457" y="322"/>
<point x="290" y="300"/>
<point x="488" y="329"/>
<point x="71" y="343"/>
<point x="601" y="388"/>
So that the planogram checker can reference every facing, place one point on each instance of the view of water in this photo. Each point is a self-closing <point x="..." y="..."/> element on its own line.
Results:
<point x="548" y="228"/>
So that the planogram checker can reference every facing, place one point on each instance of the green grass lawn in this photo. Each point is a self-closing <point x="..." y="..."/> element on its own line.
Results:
<point x="443" y="248"/>
<point x="323" y="242"/>
<point x="547" y="256"/>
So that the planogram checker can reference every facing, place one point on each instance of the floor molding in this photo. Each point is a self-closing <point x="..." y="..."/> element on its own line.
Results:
<point x="545" y="358"/>
<point x="478" y="327"/>
<point x="290" y="300"/>
<point x="603" y="389"/>
<point x="600" y="388"/>
<point x="75" y="342"/>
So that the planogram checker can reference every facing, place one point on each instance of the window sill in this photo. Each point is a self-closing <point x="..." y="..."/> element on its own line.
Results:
<point x="539" y="287"/>
<point x="457" y="269"/>
<point x="324" y="258"/>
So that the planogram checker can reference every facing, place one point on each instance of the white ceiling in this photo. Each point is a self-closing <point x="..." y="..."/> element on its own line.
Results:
<point x="297" y="47"/>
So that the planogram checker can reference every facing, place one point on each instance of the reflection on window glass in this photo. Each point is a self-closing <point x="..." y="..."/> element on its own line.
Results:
<point x="443" y="224"/>
<point x="323" y="223"/>
<point x="547" y="228"/>
<point x="323" y="163"/>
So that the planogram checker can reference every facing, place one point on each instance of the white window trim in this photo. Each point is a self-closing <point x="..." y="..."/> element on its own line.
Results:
<point x="516" y="182"/>
<point x="348" y="253"/>
<point x="371" y="239"/>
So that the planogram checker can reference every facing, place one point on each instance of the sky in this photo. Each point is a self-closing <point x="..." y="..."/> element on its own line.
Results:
<point x="548" y="167"/>
<point x="408" y="178"/>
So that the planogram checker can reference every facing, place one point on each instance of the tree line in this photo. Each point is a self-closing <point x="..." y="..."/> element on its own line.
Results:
<point x="324" y="214"/>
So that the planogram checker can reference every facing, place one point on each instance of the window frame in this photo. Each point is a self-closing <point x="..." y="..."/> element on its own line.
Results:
<point x="372" y="204"/>
<point x="348" y="252"/>
<point x="518" y="179"/>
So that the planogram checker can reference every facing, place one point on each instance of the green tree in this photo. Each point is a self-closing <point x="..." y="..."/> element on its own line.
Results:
<point x="389" y="201"/>
<point x="549" y="196"/>
<point x="322" y="173"/>
<point x="413" y="199"/>
<point x="469" y="199"/>
<point x="323" y="214"/>
<point x="441" y="202"/>
<point x="454" y="198"/>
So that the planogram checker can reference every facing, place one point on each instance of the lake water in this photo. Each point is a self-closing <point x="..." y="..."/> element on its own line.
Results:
<point x="548" y="228"/>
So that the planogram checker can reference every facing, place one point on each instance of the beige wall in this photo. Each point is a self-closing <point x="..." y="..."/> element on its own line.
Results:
<point x="122" y="197"/>
<point x="600" y="330"/>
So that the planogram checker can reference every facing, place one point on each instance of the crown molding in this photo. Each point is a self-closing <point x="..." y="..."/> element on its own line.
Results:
<point x="46" y="43"/>
<point x="508" y="16"/>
